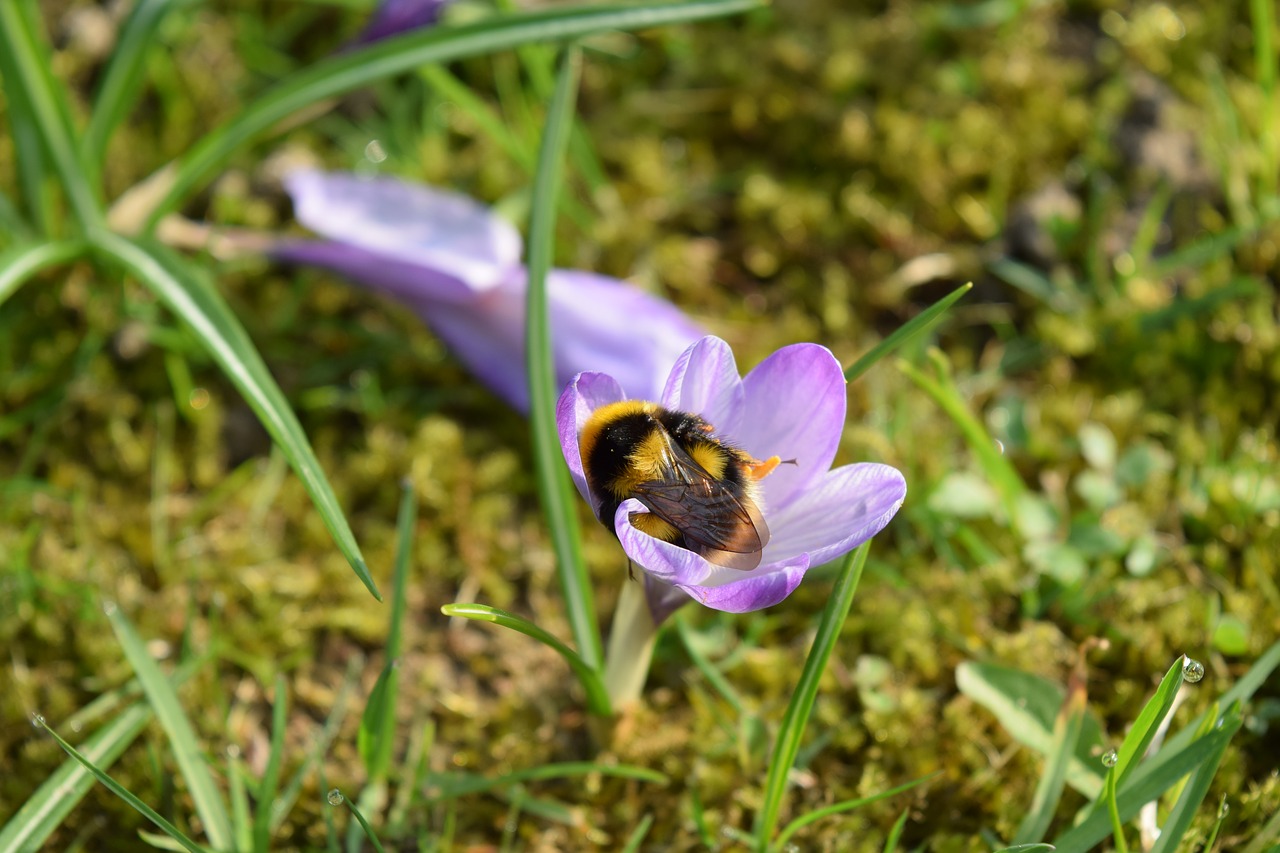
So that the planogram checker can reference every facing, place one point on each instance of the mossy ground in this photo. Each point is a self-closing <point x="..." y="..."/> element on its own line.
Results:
<point x="818" y="171"/>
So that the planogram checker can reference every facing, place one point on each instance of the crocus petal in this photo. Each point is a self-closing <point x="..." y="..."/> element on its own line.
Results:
<point x="393" y="17"/>
<point x="705" y="381"/>
<point x="751" y="593"/>
<point x="615" y="328"/>
<point x="794" y="408"/>
<point x="839" y="512"/>
<point x="663" y="560"/>
<point x="458" y="238"/>
<point x="586" y="393"/>
<point x="402" y="279"/>
<point x="675" y="565"/>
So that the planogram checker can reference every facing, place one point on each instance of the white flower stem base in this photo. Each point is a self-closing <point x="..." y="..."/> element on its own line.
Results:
<point x="631" y="641"/>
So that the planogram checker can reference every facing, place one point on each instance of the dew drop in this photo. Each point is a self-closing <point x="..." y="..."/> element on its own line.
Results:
<point x="335" y="797"/>
<point x="37" y="720"/>
<point x="1223" y="808"/>
<point x="1192" y="670"/>
<point x="1110" y="757"/>
<point x="374" y="152"/>
<point x="109" y="607"/>
<point x="999" y="446"/>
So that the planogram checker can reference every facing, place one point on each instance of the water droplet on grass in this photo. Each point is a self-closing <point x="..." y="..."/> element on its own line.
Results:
<point x="335" y="797"/>
<point x="1192" y="670"/>
<point x="1110" y="757"/>
<point x="37" y="720"/>
<point x="1223" y="809"/>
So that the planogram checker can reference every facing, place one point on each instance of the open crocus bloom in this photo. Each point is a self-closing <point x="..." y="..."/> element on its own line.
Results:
<point x="458" y="265"/>
<point x="792" y="405"/>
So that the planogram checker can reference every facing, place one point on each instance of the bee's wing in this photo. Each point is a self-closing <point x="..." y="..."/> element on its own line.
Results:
<point x="723" y="527"/>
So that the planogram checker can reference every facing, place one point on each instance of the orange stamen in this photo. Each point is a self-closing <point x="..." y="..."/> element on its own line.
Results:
<point x="759" y="470"/>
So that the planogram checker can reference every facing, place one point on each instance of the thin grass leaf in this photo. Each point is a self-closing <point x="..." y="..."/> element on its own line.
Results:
<point x="1036" y="284"/>
<point x="356" y="68"/>
<point x="1144" y="727"/>
<point x="995" y="466"/>
<point x="121" y="81"/>
<point x="124" y="794"/>
<point x="270" y="784"/>
<point x="839" y="808"/>
<point x="28" y="151"/>
<point x="1265" y="60"/>
<point x="319" y="746"/>
<point x="18" y="264"/>
<point x="1242" y="691"/>
<point x="462" y="784"/>
<point x="1199" y="306"/>
<point x="46" y="809"/>
<point x="912" y="328"/>
<point x="558" y="497"/>
<point x="190" y="295"/>
<point x="364" y="825"/>
<point x="1265" y="840"/>
<point x="1038" y="847"/>
<point x="637" y="836"/>
<point x="1066" y="738"/>
<point x="895" y="832"/>
<point x="238" y="793"/>
<point x="29" y="63"/>
<point x="12" y="225"/>
<point x="713" y="675"/>
<point x="1113" y="812"/>
<point x="1026" y="706"/>
<point x="377" y="724"/>
<point x="182" y="738"/>
<point x="1150" y="780"/>
<point x="1184" y="810"/>
<point x="588" y="676"/>
<point x="801" y="704"/>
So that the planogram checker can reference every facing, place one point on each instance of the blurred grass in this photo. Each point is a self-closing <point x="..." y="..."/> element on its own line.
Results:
<point x="812" y="172"/>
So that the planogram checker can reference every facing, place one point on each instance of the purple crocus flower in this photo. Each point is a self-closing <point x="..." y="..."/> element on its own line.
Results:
<point x="458" y="265"/>
<point x="792" y="405"/>
<point x="393" y="17"/>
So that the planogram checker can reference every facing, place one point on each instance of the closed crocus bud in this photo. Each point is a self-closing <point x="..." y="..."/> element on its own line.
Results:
<point x="458" y="265"/>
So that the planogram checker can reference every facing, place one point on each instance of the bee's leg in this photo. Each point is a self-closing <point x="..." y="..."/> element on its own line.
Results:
<point x="631" y="569"/>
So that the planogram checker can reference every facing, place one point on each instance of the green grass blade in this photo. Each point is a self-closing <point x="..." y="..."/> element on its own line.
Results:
<point x="1066" y="736"/>
<point x="1026" y="706"/>
<point x="377" y="725"/>
<point x="28" y="152"/>
<point x="46" y="809"/>
<point x="270" y="784"/>
<point x="29" y="63"/>
<point x="1184" y="810"/>
<point x="182" y="738"/>
<point x="1152" y="779"/>
<point x="917" y="325"/>
<point x="559" y="499"/>
<point x="121" y="81"/>
<point x="356" y="68"/>
<point x="1144" y="727"/>
<point x="1265" y="59"/>
<point x="588" y="676"/>
<point x="124" y="794"/>
<point x="801" y="704"/>
<point x="319" y="746"/>
<point x="895" y="833"/>
<point x="1242" y="691"/>
<point x="190" y="295"/>
<point x="461" y="785"/>
<point x="637" y="835"/>
<point x="238" y="794"/>
<point x="1038" y="847"/>
<point x="13" y="227"/>
<point x="995" y="466"/>
<point x="838" y="808"/>
<point x="1265" y="840"/>
<point x="364" y="825"/>
<point x="713" y="675"/>
<point x="19" y="263"/>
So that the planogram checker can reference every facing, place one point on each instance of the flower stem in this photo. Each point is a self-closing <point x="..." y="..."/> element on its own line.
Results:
<point x="631" y="643"/>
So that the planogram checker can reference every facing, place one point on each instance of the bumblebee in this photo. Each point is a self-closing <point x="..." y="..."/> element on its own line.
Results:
<point x="701" y="493"/>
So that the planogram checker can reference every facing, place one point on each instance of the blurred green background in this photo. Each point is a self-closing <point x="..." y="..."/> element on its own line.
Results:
<point x="1104" y="172"/>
